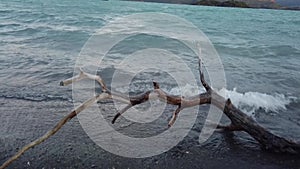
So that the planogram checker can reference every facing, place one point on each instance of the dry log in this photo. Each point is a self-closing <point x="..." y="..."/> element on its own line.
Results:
<point x="239" y="120"/>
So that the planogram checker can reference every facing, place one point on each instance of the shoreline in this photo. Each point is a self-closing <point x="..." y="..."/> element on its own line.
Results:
<point x="248" y="7"/>
<point x="72" y="148"/>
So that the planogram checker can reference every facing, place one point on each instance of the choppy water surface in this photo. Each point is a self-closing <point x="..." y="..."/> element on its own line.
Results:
<point x="39" y="43"/>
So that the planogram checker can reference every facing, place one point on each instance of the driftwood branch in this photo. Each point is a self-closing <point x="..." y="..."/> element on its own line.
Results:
<point x="174" y="117"/>
<point x="202" y="79"/>
<point x="83" y="75"/>
<point x="57" y="127"/>
<point x="239" y="120"/>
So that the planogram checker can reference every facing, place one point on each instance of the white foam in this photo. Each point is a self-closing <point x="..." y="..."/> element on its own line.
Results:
<point x="187" y="90"/>
<point x="248" y="102"/>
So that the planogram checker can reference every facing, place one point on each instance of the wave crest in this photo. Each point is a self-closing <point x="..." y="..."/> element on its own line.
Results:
<point x="249" y="102"/>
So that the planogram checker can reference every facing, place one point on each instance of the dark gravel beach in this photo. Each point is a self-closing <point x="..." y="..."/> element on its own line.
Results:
<point x="72" y="148"/>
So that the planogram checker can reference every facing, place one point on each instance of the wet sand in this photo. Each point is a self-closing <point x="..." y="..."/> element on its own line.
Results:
<point x="22" y="121"/>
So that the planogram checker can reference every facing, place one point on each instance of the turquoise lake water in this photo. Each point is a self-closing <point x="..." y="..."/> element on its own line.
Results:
<point x="40" y="40"/>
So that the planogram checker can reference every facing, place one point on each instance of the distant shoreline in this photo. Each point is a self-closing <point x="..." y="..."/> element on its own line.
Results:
<point x="232" y="4"/>
<point x="279" y="8"/>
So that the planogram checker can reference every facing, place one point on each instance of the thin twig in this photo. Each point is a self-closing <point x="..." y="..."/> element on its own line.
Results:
<point x="121" y="112"/>
<point x="174" y="117"/>
<point x="83" y="75"/>
<point x="204" y="83"/>
<point x="57" y="127"/>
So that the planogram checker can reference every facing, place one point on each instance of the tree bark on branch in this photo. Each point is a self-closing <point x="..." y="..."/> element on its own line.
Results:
<point x="239" y="120"/>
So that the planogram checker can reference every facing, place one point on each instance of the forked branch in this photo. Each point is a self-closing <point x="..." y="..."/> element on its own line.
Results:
<point x="239" y="120"/>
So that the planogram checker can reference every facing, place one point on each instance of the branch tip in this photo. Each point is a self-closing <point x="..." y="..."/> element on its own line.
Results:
<point x="115" y="118"/>
<point x="228" y="101"/>
<point x="174" y="117"/>
<point x="80" y="69"/>
<point x="155" y="85"/>
<point x="121" y="112"/>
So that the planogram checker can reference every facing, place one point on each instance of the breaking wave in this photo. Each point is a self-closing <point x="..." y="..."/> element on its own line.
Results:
<point x="249" y="102"/>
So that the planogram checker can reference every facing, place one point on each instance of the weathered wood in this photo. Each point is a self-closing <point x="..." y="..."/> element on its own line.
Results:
<point x="57" y="127"/>
<point x="239" y="120"/>
<point x="267" y="140"/>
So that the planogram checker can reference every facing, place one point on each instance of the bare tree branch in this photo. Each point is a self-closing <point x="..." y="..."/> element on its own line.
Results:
<point x="239" y="120"/>
<point x="174" y="117"/>
<point x="121" y="112"/>
<point x="83" y="75"/>
<point x="57" y="127"/>
<point x="204" y="83"/>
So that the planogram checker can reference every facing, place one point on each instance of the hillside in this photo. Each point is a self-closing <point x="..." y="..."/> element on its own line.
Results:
<point x="230" y="3"/>
<point x="261" y="3"/>
<point x="272" y="4"/>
